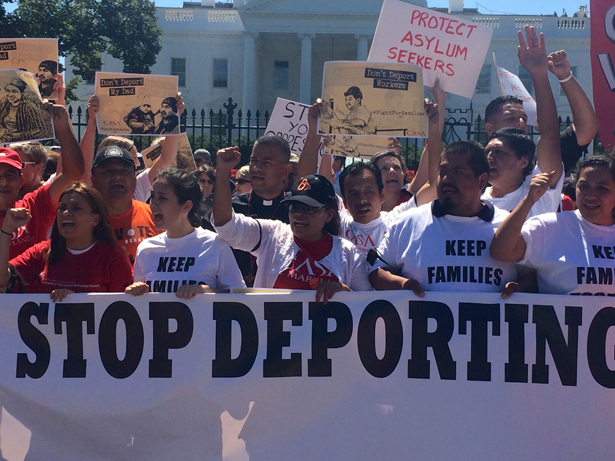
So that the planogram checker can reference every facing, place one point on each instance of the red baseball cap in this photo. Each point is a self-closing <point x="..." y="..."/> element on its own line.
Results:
<point x="10" y="157"/>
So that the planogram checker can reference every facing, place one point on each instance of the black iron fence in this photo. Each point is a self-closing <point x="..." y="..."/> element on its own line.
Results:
<point x="213" y="129"/>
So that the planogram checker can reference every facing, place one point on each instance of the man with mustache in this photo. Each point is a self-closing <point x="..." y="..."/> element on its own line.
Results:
<point x="444" y="245"/>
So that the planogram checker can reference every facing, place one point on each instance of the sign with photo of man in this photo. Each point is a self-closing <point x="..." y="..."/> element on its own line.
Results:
<point x="38" y="56"/>
<point x="137" y="104"/>
<point x="355" y="146"/>
<point x="22" y="117"/>
<point x="372" y="99"/>
<point x="183" y="161"/>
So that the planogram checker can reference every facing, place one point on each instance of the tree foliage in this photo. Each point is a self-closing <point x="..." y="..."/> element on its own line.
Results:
<point x="125" y="29"/>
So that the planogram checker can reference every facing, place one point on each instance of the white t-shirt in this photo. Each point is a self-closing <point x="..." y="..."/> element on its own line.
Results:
<point x="144" y="186"/>
<point x="200" y="257"/>
<point x="368" y="236"/>
<point x="570" y="254"/>
<point x="548" y="203"/>
<point x="277" y="250"/>
<point x="446" y="253"/>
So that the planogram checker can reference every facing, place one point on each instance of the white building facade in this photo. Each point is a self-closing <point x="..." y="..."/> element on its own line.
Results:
<point x="255" y="51"/>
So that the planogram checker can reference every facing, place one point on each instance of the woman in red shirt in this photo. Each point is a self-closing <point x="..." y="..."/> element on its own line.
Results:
<point x="80" y="257"/>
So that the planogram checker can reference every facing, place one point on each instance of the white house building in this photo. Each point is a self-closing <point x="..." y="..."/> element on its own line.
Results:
<point x="255" y="51"/>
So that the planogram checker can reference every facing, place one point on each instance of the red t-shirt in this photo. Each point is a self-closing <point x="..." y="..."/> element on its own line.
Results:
<point x="567" y="204"/>
<point x="43" y="214"/>
<point x="133" y="226"/>
<point x="104" y="268"/>
<point x="305" y="271"/>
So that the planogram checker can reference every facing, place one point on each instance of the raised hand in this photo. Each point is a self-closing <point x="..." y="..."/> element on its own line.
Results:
<point x="15" y="218"/>
<point x="559" y="64"/>
<point x="227" y="158"/>
<point x="532" y="55"/>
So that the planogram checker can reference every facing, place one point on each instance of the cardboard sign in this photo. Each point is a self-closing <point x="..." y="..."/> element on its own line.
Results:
<point x="511" y="85"/>
<point x="355" y="146"/>
<point x="22" y="117"/>
<point x="603" y="71"/>
<point x="136" y="104"/>
<point x="372" y="99"/>
<point x="449" y="47"/>
<point x="38" y="56"/>
<point x="183" y="161"/>
<point x="289" y="120"/>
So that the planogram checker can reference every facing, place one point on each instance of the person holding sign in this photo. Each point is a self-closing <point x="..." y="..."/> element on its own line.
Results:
<point x="306" y="254"/>
<point x="585" y="264"/>
<point x="510" y="154"/>
<point x="70" y="262"/>
<point x="186" y="259"/>
<point x="444" y="245"/>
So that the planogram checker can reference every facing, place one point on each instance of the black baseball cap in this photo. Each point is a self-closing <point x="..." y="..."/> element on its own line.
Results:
<point x="313" y="190"/>
<point x="111" y="152"/>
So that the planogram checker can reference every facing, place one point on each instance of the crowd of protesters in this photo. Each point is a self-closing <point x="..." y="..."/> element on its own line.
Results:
<point x="474" y="218"/>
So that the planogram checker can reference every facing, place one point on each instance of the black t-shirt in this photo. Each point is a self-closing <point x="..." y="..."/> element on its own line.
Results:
<point x="571" y="151"/>
<point x="252" y="205"/>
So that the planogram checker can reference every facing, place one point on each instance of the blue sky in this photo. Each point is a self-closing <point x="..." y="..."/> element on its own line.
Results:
<point x="484" y="6"/>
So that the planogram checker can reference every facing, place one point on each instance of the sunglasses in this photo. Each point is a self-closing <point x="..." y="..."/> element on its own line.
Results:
<point x="242" y="181"/>
<point x="296" y="207"/>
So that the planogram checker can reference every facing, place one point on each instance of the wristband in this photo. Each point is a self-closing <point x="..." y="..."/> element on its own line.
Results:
<point x="564" y="80"/>
<point x="5" y="232"/>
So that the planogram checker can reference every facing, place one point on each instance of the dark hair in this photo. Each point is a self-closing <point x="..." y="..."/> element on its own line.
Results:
<point x="596" y="161"/>
<point x="101" y="233"/>
<point x="171" y="102"/>
<point x="18" y="83"/>
<point x="186" y="187"/>
<point x="356" y="169"/>
<point x="334" y="226"/>
<point x="478" y="159"/>
<point x="51" y="66"/>
<point x="495" y="106"/>
<point x="520" y="143"/>
<point x="355" y="92"/>
<point x="389" y="153"/>
<point x="209" y="170"/>
<point x="275" y="141"/>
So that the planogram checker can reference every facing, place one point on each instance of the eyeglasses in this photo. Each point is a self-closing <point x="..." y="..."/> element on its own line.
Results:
<point x="25" y="164"/>
<point x="211" y="182"/>
<point x="242" y="181"/>
<point x="297" y="207"/>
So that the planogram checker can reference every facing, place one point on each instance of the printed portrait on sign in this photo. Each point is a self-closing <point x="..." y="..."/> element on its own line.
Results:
<point x="22" y="117"/>
<point x="372" y="99"/>
<point x="135" y="104"/>
<point x="354" y="146"/>
<point x="38" y="56"/>
<point x="183" y="161"/>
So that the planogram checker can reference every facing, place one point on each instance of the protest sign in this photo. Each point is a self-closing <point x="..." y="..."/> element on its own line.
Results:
<point x="136" y="104"/>
<point x="448" y="47"/>
<point x="603" y="73"/>
<point x="183" y="161"/>
<point x="369" y="99"/>
<point x="22" y="117"/>
<point x="511" y="85"/>
<point x="372" y="375"/>
<point x="355" y="146"/>
<point x="38" y="56"/>
<point x="289" y="120"/>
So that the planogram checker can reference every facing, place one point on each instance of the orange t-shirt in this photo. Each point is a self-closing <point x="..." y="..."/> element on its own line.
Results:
<point x="132" y="227"/>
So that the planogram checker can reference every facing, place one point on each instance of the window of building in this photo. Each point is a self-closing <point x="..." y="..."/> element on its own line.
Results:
<point x="574" y="72"/>
<point x="280" y="75"/>
<point x="178" y="67"/>
<point x="220" y="73"/>
<point x="526" y="79"/>
<point x="483" y="85"/>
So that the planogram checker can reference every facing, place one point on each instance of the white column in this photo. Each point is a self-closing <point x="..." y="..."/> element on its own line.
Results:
<point x="362" y="47"/>
<point x="249" y="73"/>
<point x="305" y="81"/>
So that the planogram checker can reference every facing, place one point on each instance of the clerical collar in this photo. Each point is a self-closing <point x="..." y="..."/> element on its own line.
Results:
<point x="255" y="199"/>
<point x="486" y="213"/>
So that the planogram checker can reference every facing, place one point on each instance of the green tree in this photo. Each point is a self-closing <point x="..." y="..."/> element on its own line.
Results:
<point x="125" y="29"/>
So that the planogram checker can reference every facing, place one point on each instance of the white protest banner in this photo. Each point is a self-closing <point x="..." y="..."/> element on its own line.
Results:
<point x="38" y="56"/>
<point x="184" y="159"/>
<point x="511" y="85"/>
<point x="137" y="104"/>
<point x="449" y="47"/>
<point x="289" y="120"/>
<point x="355" y="146"/>
<point x="371" y="99"/>
<point x="372" y="375"/>
<point x="22" y="117"/>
